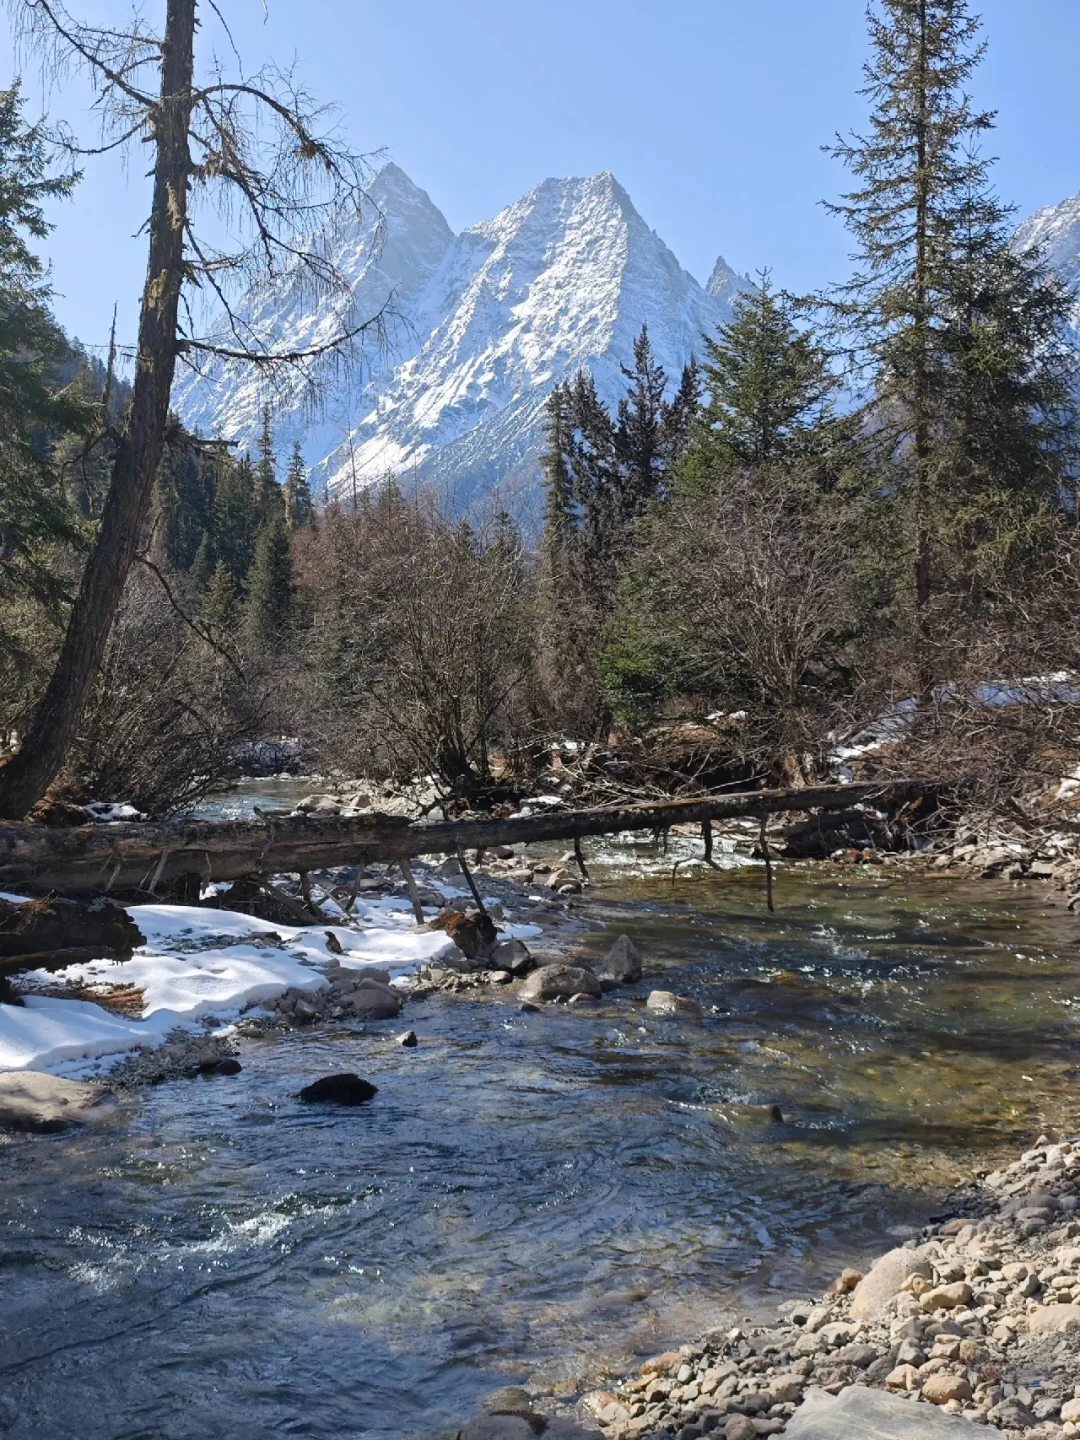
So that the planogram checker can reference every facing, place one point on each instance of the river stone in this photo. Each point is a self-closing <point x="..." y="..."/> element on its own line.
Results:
<point x="1052" y="1319"/>
<point x="666" y="1002"/>
<point x="345" y="1089"/>
<point x="510" y="1400"/>
<point x="882" y="1282"/>
<point x="511" y="955"/>
<point x="560" y="982"/>
<point x="498" y="1427"/>
<point x="31" y="1100"/>
<point x="622" y="963"/>
<point x="874" y="1415"/>
<point x="946" y="1297"/>
<point x="940" y="1389"/>
<point x="374" y="1002"/>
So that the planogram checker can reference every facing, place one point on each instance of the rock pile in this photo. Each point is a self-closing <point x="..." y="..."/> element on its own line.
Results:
<point x="979" y="1318"/>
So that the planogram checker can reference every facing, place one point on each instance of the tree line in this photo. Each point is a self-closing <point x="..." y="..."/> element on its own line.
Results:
<point x="847" y="499"/>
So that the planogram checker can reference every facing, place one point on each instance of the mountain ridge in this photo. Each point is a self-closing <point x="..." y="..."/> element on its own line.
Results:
<point x="481" y="325"/>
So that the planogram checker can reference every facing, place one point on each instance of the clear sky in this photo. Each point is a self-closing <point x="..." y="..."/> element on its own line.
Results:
<point x="710" y="112"/>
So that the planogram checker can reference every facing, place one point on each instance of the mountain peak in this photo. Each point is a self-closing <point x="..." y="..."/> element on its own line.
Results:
<point x="488" y="321"/>
<point x="725" y="283"/>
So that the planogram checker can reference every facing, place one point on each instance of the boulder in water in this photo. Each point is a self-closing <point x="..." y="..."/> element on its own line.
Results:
<point x="345" y="1089"/>
<point x="622" y="963"/>
<point x="31" y="1100"/>
<point x="511" y="955"/>
<point x="560" y="982"/>
<point x="371" y="1001"/>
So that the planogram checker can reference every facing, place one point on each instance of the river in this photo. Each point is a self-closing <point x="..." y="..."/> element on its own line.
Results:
<point x="537" y="1198"/>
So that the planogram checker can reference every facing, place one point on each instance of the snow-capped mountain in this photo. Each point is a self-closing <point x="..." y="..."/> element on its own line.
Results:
<point x="1056" y="228"/>
<point x="483" y="325"/>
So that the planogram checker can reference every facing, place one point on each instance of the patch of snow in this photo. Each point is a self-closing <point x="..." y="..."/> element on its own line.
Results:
<point x="112" y="810"/>
<point x="198" y="963"/>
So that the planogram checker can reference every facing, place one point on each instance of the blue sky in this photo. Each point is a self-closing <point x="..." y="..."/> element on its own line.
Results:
<point x="711" y="113"/>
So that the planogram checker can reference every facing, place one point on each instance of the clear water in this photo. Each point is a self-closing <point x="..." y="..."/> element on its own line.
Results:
<point x="536" y="1198"/>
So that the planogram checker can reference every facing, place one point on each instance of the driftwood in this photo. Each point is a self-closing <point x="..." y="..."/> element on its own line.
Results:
<point x="127" y="857"/>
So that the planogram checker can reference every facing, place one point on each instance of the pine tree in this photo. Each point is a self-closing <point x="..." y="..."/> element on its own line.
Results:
<point x="185" y="499"/>
<point x="299" y="510"/>
<point x="269" y="588"/>
<point x="959" y="336"/>
<point x="236" y="519"/>
<point x="218" y="608"/>
<point x="268" y="498"/>
<point x="640" y="429"/>
<point x="204" y="566"/>
<point x="34" y="513"/>
<point x="769" y="387"/>
<point x="555" y="465"/>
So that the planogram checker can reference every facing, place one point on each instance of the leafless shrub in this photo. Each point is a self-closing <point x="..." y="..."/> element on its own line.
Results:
<point x="168" y="713"/>
<point x="420" y="640"/>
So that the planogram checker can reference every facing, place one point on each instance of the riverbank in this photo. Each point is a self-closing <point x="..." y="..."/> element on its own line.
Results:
<point x="978" y="1318"/>
<point x="208" y="973"/>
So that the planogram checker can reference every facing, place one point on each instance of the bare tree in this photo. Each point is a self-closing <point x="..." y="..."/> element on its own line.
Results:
<point x="256" y="149"/>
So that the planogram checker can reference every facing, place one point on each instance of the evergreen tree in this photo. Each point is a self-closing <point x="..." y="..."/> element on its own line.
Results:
<point x="651" y="431"/>
<point x="559" y="517"/>
<point x="299" y="510"/>
<point x="218" y="608"/>
<point x="268" y="496"/>
<point x="34" y="513"/>
<point x="185" y="498"/>
<point x="768" y="384"/>
<point x="269" y="588"/>
<point x="236" y="519"/>
<point x="640" y="429"/>
<point x="204" y="566"/>
<point x="960" y="336"/>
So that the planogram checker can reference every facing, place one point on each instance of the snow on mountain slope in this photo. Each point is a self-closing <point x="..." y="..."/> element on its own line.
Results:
<point x="1056" y="228"/>
<point x="488" y="322"/>
<point x="388" y="255"/>
<point x="724" y="283"/>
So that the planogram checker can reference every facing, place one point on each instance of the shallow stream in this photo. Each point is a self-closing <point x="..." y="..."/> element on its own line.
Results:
<point x="537" y="1197"/>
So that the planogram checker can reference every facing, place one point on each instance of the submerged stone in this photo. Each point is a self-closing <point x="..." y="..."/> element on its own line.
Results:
<point x="345" y="1089"/>
<point x="31" y="1100"/>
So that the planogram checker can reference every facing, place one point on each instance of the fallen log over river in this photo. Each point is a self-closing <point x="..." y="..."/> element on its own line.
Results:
<point x="150" y="857"/>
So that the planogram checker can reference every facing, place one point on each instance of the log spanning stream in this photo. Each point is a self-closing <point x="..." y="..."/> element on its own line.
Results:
<point x="535" y="1197"/>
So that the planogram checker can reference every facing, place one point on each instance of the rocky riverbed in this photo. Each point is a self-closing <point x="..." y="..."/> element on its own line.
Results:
<point x="978" y="1317"/>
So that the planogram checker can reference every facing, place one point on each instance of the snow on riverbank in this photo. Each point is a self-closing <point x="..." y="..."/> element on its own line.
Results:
<point x="198" y="965"/>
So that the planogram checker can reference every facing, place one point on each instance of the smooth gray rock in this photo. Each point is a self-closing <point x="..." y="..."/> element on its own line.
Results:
<point x="874" y="1415"/>
<point x="883" y="1281"/>
<point x="559" y="982"/>
<point x="32" y="1100"/>
<point x="498" y="1427"/>
<point x="374" y="1002"/>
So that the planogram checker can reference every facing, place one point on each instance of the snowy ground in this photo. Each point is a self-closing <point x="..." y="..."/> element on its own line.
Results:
<point x="200" y="965"/>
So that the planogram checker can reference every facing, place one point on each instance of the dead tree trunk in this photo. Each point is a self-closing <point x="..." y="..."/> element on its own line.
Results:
<point x="26" y="777"/>
<point x="131" y="857"/>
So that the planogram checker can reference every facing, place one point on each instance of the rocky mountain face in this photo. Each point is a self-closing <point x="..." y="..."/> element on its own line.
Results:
<point x="1056" y="228"/>
<point x="478" y="328"/>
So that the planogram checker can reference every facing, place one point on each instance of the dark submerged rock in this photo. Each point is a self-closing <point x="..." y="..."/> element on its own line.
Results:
<point x="346" y="1089"/>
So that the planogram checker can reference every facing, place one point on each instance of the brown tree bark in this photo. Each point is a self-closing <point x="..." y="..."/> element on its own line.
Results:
<point x="125" y="857"/>
<point x="26" y="777"/>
